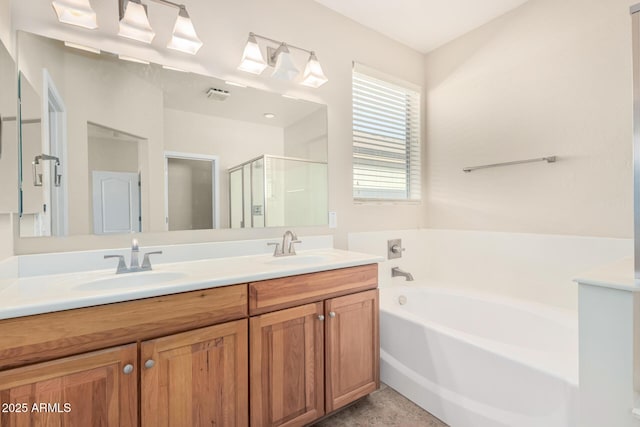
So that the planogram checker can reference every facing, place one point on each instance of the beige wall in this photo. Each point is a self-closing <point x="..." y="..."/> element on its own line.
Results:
<point x="550" y="78"/>
<point x="307" y="138"/>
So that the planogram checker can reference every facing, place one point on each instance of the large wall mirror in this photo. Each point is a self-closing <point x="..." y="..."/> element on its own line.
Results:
<point x="109" y="145"/>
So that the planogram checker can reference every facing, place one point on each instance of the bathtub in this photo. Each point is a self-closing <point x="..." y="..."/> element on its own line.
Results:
<point x="478" y="361"/>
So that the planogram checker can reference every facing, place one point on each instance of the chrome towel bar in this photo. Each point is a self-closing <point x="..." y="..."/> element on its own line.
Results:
<point x="548" y="159"/>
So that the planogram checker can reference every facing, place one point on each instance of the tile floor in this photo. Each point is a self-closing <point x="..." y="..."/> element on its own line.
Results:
<point x="382" y="408"/>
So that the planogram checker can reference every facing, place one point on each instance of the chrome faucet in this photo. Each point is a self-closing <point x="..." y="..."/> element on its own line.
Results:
<point x="286" y="249"/>
<point x="134" y="265"/>
<point x="395" y="272"/>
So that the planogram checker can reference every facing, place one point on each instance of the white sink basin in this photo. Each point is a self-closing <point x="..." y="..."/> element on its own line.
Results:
<point x="299" y="260"/>
<point x="131" y="280"/>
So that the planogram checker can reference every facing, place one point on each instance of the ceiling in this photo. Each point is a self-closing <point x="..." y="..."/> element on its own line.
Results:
<point x="423" y="25"/>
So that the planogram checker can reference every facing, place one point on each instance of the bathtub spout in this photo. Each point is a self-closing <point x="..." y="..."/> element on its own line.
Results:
<point x="395" y="271"/>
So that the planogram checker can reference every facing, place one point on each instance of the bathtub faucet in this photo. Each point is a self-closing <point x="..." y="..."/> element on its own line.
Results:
<point x="395" y="272"/>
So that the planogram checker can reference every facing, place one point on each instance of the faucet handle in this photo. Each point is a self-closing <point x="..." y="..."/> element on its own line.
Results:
<point x="146" y="263"/>
<point x="122" y="267"/>
<point x="277" y="251"/>
<point x="292" y="249"/>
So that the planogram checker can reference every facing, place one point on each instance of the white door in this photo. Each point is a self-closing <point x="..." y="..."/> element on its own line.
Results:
<point x="116" y="202"/>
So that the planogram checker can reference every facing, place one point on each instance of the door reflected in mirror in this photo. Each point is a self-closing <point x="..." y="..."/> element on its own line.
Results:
<point x="114" y="174"/>
<point x="127" y="147"/>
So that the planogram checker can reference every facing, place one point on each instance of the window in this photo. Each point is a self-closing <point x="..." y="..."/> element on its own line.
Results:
<point x="386" y="139"/>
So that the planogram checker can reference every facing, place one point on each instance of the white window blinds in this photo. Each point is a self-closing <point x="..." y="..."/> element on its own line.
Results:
<point x="386" y="140"/>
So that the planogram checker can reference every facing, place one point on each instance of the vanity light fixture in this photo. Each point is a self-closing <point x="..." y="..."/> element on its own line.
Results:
<point x="281" y="59"/>
<point x="252" y="60"/>
<point x="184" y="36"/>
<point x="76" y="12"/>
<point x="313" y="75"/>
<point x="285" y="69"/>
<point x="134" y="22"/>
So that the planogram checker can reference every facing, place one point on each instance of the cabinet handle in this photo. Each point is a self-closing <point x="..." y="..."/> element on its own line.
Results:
<point x="321" y="317"/>
<point x="128" y="368"/>
<point x="332" y="314"/>
<point x="149" y="364"/>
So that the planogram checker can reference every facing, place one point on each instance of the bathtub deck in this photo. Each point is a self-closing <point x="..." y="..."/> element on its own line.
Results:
<point x="382" y="408"/>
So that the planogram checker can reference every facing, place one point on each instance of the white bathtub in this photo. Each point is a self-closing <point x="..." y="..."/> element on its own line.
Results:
<point x="475" y="361"/>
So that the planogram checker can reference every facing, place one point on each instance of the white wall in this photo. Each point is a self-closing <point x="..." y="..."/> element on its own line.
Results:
<point x="224" y="27"/>
<point x="532" y="267"/>
<point x="549" y="78"/>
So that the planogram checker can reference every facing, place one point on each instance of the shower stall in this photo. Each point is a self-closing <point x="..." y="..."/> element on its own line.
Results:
<point x="275" y="191"/>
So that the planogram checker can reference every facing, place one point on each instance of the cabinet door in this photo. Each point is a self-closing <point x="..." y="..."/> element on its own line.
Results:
<point x="197" y="378"/>
<point x="92" y="389"/>
<point x="287" y="371"/>
<point x="352" y="348"/>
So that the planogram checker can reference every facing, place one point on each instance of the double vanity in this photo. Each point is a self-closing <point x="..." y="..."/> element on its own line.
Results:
<point x="233" y="341"/>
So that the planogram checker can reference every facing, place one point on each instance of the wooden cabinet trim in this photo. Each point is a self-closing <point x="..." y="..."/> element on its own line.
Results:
<point x="32" y="339"/>
<point x="285" y="292"/>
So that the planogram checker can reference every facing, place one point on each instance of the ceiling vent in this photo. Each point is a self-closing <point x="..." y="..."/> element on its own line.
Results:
<point x="217" y="94"/>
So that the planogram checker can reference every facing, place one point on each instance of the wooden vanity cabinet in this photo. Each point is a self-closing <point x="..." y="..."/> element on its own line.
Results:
<point x="184" y="352"/>
<point x="86" y="390"/>
<point x="309" y="360"/>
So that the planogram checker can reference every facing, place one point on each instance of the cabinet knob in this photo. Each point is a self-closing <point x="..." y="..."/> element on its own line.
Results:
<point x="149" y="364"/>
<point x="332" y="314"/>
<point x="128" y="368"/>
<point x="320" y="317"/>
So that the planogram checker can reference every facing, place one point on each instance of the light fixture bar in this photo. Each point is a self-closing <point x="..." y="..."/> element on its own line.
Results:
<point x="121" y="4"/>
<point x="274" y="41"/>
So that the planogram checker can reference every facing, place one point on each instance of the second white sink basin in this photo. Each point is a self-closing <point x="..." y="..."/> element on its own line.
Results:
<point x="131" y="280"/>
<point x="299" y="260"/>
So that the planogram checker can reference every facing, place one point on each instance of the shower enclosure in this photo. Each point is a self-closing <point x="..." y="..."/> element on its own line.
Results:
<point x="273" y="191"/>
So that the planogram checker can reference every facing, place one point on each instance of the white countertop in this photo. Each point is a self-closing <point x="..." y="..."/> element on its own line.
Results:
<point x="48" y="293"/>
<point x="617" y="275"/>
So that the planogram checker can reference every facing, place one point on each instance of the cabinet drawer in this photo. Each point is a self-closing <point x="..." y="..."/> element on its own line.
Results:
<point x="48" y="336"/>
<point x="276" y="294"/>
